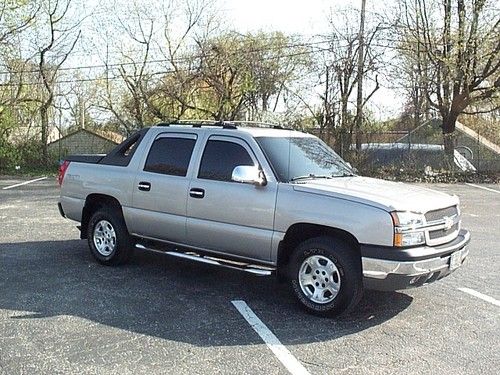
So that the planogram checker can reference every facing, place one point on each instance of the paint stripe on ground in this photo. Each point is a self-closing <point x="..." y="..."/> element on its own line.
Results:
<point x="6" y="207"/>
<point x="24" y="183"/>
<point x="483" y="187"/>
<point x="291" y="363"/>
<point x="482" y="296"/>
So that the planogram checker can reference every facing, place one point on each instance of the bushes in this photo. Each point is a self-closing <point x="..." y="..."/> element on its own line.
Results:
<point x="406" y="174"/>
<point x="25" y="158"/>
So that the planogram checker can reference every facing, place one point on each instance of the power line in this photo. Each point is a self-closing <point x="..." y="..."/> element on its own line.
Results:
<point x="187" y="58"/>
<point x="163" y="72"/>
<point x="178" y="60"/>
<point x="191" y="58"/>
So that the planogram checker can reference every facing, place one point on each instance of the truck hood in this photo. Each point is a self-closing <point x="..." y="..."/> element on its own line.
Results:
<point x="387" y="195"/>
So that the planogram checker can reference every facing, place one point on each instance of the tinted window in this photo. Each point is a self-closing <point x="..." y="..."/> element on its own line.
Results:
<point x="170" y="156"/>
<point x="122" y="154"/>
<point x="220" y="158"/>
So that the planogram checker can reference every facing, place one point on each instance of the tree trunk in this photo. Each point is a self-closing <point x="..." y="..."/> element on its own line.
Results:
<point x="361" y="64"/>
<point x="449" y="138"/>
<point x="344" y="144"/>
<point x="44" y="119"/>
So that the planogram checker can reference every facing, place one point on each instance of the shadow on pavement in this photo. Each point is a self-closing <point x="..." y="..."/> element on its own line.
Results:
<point x="166" y="297"/>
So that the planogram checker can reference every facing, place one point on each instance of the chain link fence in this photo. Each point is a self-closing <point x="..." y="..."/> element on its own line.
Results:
<point x="415" y="150"/>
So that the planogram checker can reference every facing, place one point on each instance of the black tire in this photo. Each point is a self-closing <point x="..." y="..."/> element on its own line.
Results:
<point x="122" y="245"/>
<point x="345" y="275"/>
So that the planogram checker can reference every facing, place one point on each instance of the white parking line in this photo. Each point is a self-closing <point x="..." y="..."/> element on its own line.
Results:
<point x="283" y="354"/>
<point x="24" y="183"/>
<point x="483" y="187"/>
<point x="6" y="207"/>
<point x="482" y="296"/>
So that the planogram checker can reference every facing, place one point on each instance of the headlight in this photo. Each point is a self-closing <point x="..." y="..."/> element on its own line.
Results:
<point x="407" y="219"/>
<point x="406" y="225"/>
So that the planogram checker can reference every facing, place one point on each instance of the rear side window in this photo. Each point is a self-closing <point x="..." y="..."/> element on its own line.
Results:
<point x="170" y="156"/>
<point x="122" y="154"/>
<point x="220" y="158"/>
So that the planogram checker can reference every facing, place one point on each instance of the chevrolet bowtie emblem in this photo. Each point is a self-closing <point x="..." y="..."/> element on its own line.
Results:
<point x="448" y="222"/>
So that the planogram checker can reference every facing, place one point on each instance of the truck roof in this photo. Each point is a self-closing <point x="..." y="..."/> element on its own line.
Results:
<point x="263" y="130"/>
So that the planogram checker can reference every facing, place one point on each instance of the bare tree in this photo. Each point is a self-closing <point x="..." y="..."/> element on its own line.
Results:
<point x="340" y="72"/>
<point x="180" y="87"/>
<point x="78" y="100"/>
<point x="54" y="43"/>
<point x="460" y="41"/>
<point x="134" y="75"/>
<point x="360" y="76"/>
<point x="409" y="75"/>
<point x="153" y="80"/>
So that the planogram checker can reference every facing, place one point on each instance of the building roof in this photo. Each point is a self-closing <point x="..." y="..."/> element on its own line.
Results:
<point x="106" y="135"/>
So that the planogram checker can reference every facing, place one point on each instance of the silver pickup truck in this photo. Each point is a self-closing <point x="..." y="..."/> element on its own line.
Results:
<point x="265" y="200"/>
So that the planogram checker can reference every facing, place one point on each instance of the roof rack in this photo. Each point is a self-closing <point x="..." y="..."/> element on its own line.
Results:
<point x="259" y="124"/>
<point x="199" y="123"/>
<point x="223" y="124"/>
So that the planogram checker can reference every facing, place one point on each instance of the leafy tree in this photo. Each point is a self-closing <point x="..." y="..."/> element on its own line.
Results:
<point x="15" y="18"/>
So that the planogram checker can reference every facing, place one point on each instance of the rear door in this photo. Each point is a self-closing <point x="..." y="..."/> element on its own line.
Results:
<point x="226" y="216"/>
<point x="161" y="188"/>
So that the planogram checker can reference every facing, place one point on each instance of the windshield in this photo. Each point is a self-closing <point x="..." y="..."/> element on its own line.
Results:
<point x="297" y="158"/>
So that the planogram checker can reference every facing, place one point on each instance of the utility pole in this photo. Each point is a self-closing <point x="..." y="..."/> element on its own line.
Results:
<point x="81" y="104"/>
<point x="326" y="112"/>
<point x="361" y="63"/>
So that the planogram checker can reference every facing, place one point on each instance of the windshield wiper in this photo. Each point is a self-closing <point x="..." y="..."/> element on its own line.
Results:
<point x="345" y="174"/>
<point x="310" y="176"/>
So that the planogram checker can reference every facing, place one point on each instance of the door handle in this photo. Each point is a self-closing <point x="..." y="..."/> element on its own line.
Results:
<point x="144" y="186"/>
<point x="197" y="193"/>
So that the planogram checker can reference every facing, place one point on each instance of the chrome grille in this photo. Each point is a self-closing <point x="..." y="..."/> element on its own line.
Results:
<point x="439" y="214"/>
<point x="442" y="232"/>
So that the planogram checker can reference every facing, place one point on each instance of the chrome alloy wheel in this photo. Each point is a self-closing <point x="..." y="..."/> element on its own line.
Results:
<point x="319" y="279"/>
<point x="104" y="238"/>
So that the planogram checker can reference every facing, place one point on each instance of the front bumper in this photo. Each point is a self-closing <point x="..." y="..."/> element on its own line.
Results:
<point x="393" y="269"/>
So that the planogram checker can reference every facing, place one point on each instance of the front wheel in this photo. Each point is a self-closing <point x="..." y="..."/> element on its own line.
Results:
<point x="326" y="276"/>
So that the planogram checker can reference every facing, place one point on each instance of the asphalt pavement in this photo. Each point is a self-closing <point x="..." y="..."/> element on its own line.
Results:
<point x="62" y="313"/>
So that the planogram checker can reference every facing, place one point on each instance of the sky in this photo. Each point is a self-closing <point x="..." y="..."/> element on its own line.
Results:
<point x="304" y="17"/>
<point x="293" y="16"/>
<point x="309" y="18"/>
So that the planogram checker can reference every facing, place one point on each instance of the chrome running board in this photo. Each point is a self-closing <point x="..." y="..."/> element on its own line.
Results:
<point x="226" y="263"/>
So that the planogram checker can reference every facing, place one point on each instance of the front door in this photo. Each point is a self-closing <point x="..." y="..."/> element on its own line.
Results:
<point x="226" y="216"/>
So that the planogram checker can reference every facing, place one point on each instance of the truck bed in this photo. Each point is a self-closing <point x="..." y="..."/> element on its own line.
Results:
<point x="86" y="158"/>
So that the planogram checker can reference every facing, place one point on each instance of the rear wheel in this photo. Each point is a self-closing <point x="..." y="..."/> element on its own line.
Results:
<point x="326" y="276"/>
<point x="108" y="238"/>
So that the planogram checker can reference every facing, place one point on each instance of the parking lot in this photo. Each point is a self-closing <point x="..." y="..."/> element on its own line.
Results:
<point x="61" y="312"/>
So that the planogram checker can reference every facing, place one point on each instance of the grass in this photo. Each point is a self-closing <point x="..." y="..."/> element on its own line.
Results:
<point x="30" y="172"/>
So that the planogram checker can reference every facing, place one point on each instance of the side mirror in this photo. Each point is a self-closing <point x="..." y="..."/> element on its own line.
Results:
<point x="249" y="174"/>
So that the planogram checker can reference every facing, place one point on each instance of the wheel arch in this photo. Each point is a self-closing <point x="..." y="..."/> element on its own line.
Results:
<point x="300" y="232"/>
<point x="94" y="202"/>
